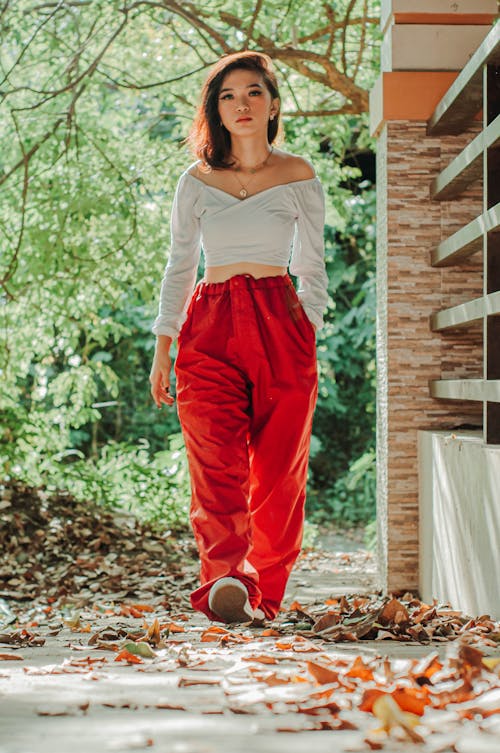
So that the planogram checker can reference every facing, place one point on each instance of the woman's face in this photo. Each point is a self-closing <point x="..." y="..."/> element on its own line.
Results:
<point x="245" y="102"/>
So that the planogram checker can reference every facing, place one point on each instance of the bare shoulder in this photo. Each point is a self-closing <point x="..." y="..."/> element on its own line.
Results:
<point x="195" y="168"/>
<point x="294" y="167"/>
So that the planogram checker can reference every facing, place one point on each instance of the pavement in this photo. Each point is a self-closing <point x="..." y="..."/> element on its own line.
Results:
<point x="241" y="690"/>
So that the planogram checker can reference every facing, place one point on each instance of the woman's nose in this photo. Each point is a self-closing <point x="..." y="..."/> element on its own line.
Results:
<point x="242" y="106"/>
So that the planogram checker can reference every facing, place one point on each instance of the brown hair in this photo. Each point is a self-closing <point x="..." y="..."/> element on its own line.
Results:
<point x="209" y="140"/>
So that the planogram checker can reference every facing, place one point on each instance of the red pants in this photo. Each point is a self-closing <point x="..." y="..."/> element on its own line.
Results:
<point x="246" y="390"/>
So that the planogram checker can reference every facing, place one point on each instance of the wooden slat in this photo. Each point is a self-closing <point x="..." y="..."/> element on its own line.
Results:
<point x="466" y="389"/>
<point x="464" y="97"/>
<point x="466" y="241"/>
<point x="467" y="166"/>
<point x="466" y="313"/>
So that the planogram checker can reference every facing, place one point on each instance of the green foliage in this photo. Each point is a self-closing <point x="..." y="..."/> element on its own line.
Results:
<point x="351" y="499"/>
<point x="310" y="536"/>
<point x="342" y="462"/>
<point x="84" y="235"/>
<point x="370" y="539"/>
<point x="153" y="486"/>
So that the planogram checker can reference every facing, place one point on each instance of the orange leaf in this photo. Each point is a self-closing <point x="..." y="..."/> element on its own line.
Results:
<point x="173" y="628"/>
<point x="128" y="657"/>
<point x="270" y="632"/>
<point x="11" y="657"/>
<point x="129" y="611"/>
<point x="153" y="632"/>
<point x="460" y="693"/>
<point x="234" y="638"/>
<point x="360" y="670"/>
<point x="296" y="606"/>
<point x="409" y="699"/>
<point x="387" y="710"/>
<point x="369" y="698"/>
<point x="322" y="675"/>
<point x="262" y="659"/>
<point x="392" y="610"/>
<point x="344" y="604"/>
<point x="213" y="633"/>
<point x="327" y="620"/>
<point x="142" y="607"/>
<point x="427" y="666"/>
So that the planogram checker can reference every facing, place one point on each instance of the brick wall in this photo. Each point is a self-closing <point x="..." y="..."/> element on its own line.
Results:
<point x="409" y="225"/>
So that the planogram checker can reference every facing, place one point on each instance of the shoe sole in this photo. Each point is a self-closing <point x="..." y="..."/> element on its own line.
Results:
<point x="229" y="604"/>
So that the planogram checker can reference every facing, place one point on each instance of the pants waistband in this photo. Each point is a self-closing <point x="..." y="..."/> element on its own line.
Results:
<point x="244" y="281"/>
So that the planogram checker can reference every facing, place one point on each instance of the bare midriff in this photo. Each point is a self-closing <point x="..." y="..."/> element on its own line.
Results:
<point x="225" y="271"/>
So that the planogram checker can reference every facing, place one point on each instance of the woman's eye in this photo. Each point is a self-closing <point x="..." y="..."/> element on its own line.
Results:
<point x="226" y="96"/>
<point x="256" y="91"/>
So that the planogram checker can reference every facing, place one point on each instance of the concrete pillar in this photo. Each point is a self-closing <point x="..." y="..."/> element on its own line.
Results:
<point x="422" y="53"/>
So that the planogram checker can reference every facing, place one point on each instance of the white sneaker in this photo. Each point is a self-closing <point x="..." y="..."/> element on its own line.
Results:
<point x="228" y="598"/>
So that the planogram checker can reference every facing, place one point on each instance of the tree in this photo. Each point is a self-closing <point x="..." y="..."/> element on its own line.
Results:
<point x="95" y="100"/>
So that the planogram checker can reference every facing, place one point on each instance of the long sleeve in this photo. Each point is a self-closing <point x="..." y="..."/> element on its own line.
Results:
<point x="179" y="278"/>
<point x="308" y="252"/>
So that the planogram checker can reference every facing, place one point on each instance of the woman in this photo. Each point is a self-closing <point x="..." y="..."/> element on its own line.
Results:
<point x="246" y="365"/>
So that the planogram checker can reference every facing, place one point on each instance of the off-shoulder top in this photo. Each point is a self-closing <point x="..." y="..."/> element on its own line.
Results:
<point x="281" y="225"/>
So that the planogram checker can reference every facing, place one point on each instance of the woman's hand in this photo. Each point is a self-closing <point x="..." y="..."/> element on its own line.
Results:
<point x="160" y="372"/>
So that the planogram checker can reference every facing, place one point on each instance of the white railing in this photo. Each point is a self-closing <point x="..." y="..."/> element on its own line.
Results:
<point x="477" y="86"/>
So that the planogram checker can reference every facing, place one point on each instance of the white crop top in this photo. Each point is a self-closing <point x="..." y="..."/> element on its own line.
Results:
<point x="281" y="226"/>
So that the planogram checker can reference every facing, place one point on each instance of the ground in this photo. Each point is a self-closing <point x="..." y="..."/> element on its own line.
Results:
<point x="107" y="655"/>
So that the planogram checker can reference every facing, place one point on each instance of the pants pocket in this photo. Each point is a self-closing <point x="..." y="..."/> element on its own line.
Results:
<point x="298" y="314"/>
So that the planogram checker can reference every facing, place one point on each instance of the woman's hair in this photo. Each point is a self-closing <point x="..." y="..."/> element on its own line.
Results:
<point x="209" y="140"/>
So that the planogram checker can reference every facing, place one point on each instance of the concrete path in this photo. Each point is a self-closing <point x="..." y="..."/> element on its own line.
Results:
<point x="239" y="693"/>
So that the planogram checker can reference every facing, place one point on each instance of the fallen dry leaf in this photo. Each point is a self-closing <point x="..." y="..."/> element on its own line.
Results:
<point x="141" y="648"/>
<point x="323" y="675"/>
<point x="172" y="627"/>
<point x="128" y="657"/>
<point x="261" y="659"/>
<point x="388" y="712"/>
<point x="393" y="612"/>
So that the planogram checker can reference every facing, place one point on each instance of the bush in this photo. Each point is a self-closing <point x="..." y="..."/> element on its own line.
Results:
<point x="351" y="501"/>
<point x="152" y="486"/>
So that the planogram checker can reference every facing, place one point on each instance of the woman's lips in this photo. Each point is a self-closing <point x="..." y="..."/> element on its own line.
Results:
<point x="240" y="120"/>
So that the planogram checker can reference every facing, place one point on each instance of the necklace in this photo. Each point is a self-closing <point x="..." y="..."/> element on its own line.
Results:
<point x="252" y="171"/>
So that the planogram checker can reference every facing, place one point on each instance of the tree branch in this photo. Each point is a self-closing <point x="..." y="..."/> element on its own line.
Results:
<point x="344" y="32"/>
<point x="320" y="113"/>
<point x="59" y="5"/>
<point x="297" y="58"/>
<point x="362" y="42"/>
<point x="26" y="47"/>
<point x="87" y="73"/>
<point x="251" y="25"/>
<point x="28" y="155"/>
<point x="324" y="31"/>
<point x="139" y="87"/>
<point x="24" y="195"/>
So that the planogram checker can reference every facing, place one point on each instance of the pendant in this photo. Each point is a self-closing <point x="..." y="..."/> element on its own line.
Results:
<point x="243" y="193"/>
